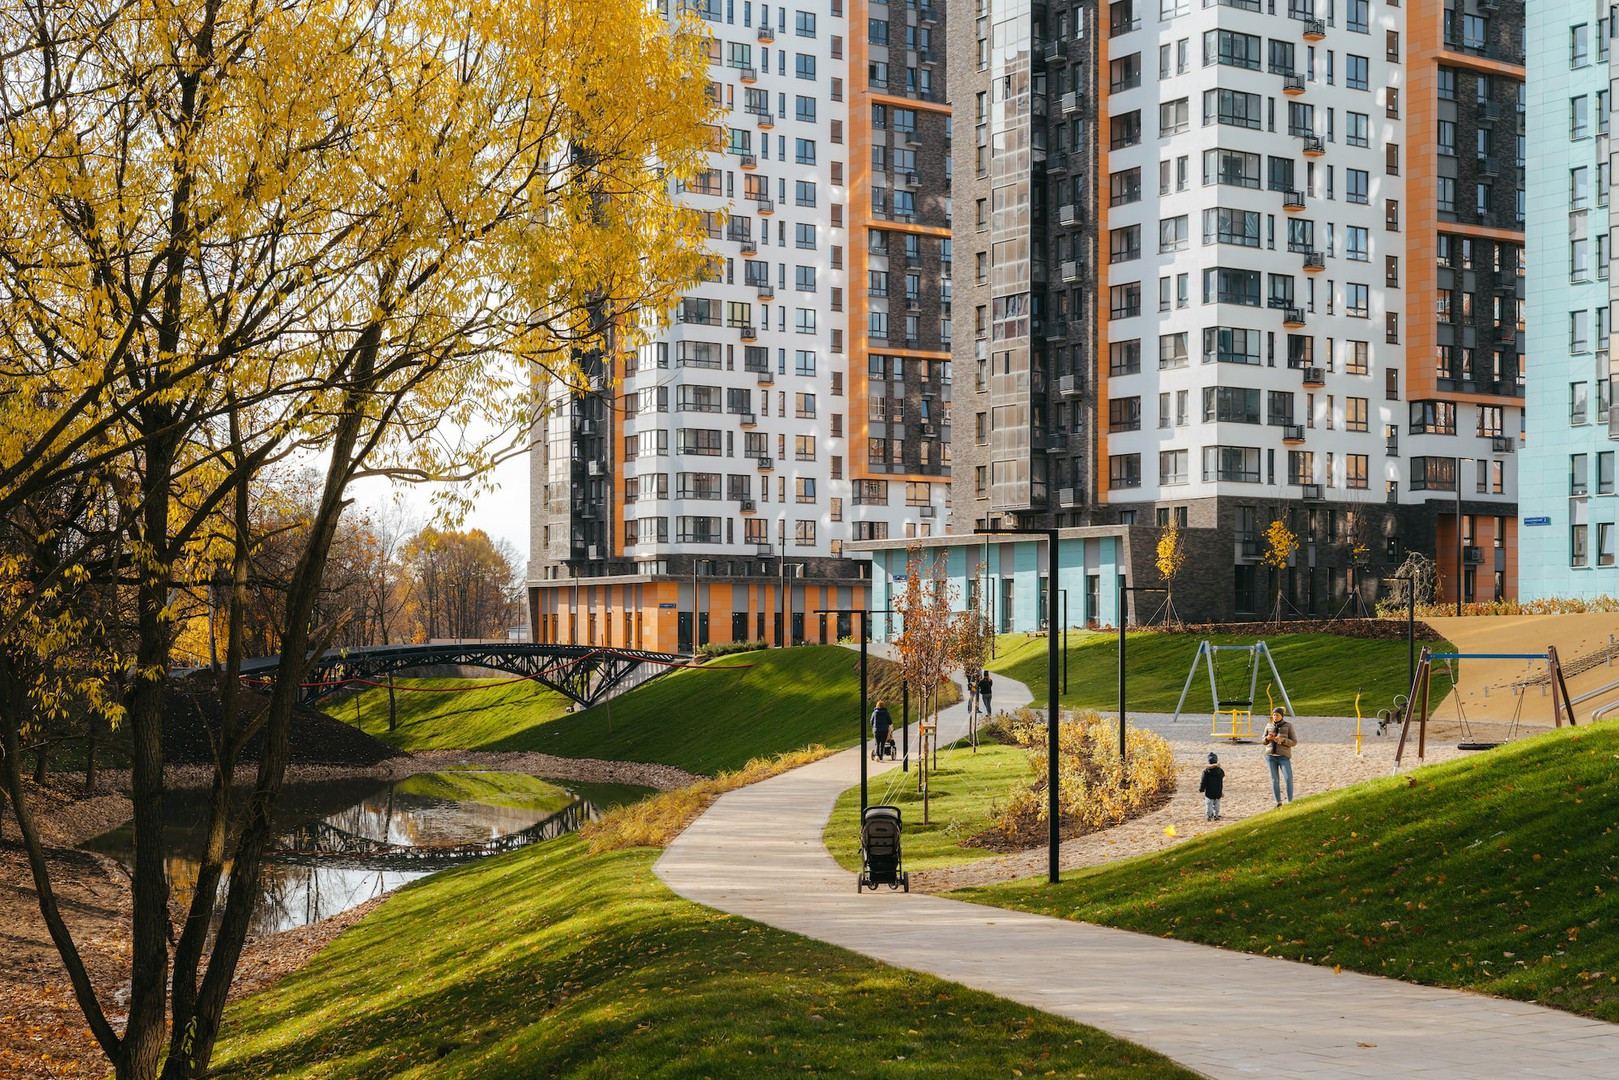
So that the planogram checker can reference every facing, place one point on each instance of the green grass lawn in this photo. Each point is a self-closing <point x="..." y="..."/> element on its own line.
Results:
<point x="1321" y="671"/>
<point x="1493" y="873"/>
<point x="550" y="962"/>
<point x="965" y="795"/>
<point x="705" y="719"/>
<point x="487" y="711"/>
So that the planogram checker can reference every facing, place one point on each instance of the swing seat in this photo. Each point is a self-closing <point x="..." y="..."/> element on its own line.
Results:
<point x="1477" y="745"/>
<point x="1241" y="726"/>
<point x="1234" y="704"/>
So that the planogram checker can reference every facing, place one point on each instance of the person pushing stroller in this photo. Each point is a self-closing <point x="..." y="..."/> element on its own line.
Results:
<point x="882" y="730"/>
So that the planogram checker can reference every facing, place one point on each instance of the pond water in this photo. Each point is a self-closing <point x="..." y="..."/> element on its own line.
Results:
<point x="347" y="841"/>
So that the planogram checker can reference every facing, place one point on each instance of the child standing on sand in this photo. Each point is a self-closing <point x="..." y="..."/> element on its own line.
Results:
<point x="1213" y="788"/>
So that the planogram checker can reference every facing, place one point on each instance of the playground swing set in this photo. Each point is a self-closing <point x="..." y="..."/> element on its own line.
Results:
<point x="1232" y="715"/>
<point x="1416" y="704"/>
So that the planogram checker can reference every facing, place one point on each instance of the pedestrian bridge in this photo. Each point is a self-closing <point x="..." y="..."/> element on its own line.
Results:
<point x="587" y="674"/>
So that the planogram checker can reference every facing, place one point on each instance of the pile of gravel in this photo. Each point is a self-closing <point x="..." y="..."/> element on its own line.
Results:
<point x="192" y="710"/>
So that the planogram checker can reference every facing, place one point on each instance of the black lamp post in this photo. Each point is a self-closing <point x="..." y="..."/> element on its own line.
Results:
<point x="1054" y="842"/>
<point x="864" y="636"/>
<point x="1124" y="592"/>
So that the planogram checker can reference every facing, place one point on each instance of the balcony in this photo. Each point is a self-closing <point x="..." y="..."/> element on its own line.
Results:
<point x="1314" y="146"/>
<point x="1072" y="102"/>
<point x="1314" y="29"/>
<point x="1292" y="433"/>
<point x="1506" y="332"/>
<point x="765" y="377"/>
<point x="1056" y="50"/>
<point x="749" y="161"/>
<point x="766" y="121"/>
<point x="1292" y="201"/>
<point x="928" y="511"/>
<point x="764" y="551"/>
<point x="1311" y="492"/>
<point x="748" y="419"/>
<point x="766" y="207"/>
<point x="1248" y="548"/>
<point x="1292" y="317"/>
<point x="1503" y="444"/>
<point x="593" y="468"/>
<point x="1068" y="214"/>
<point x="766" y="292"/>
<point x="767" y="34"/>
<point x="750" y="75"/>
<point x="1067" y="498"/>
<point x="1314" y="376"/>
<point x="1070" y="385"/>
<point x="749" y="333"/>
<point x="1070" y="271"/>
<point x="766" y="464"/>
<point x="1056" y="329"/>
<point x="749" y="247"/>
<point x="1472" y="556"/>
<point x="1292" y="85"/>
<point x="1314" y="262"/>
<point x="1057" y="440"/>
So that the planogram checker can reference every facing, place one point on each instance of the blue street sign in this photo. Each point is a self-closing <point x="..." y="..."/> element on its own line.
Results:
<point x="1537" y="521"/>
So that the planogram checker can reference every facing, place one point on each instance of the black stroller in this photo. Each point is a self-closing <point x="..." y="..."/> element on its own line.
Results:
<point x="879" y="850"/>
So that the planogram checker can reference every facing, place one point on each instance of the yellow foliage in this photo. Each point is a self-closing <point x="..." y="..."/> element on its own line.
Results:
<point x="1280" y="544"/>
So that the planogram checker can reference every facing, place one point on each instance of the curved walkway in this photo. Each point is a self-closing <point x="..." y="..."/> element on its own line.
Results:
<point x="758" y="853"/>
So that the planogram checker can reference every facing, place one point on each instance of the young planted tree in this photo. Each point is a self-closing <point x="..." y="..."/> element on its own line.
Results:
<point x="1280" y="544"/>
<point x="971" y="640"/>
<point x="1171" y="558"/>
<point x="215" y="260"/>
<point x="925" y="646"/>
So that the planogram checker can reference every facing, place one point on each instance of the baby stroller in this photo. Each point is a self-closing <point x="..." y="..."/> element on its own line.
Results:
<point x="879" y="850"/>
<point x="885" y="749"/>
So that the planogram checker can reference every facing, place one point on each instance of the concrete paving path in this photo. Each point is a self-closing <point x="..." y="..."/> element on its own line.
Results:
<point x="758" y="853"/>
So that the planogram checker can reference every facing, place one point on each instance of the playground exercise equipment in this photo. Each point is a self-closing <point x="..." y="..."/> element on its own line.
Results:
<point x="1237" y="709"/>
<point x="1418" y="705"/>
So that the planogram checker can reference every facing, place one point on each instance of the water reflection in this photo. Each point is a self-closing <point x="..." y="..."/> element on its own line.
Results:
<point x="426" y="811"/>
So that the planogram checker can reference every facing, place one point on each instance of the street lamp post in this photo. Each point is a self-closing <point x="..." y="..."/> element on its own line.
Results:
<point x="1459" y="571"/>
<point x="862" y="612"/>
<point x="1065" y="641"/>
<point x="1052" y="721"/>
<point x="1124" y="592"/>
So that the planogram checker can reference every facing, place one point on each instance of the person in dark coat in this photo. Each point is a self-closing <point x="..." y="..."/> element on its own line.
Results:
<point x="1213" y="788"/>
<point x="985" y="685"/>
<point x="882" y="726"/>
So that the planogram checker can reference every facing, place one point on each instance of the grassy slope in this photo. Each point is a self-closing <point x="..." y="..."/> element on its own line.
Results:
<point x="1490" y="873"/>
<point x="707" y="719"/>
<point x="549" y="962"/>
<point x="488" y="710"/>
<point x="1321" y="671"/>
<point x="964" y="794"/>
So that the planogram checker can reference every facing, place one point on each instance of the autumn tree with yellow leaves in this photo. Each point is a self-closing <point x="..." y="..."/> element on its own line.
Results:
<point x="1280" y="544"/>
<point x="236" y="234"/>
<point x="1171" y="558"/>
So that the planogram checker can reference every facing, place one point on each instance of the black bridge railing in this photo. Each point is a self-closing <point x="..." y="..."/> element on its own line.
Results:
<point x="587" y="674"/>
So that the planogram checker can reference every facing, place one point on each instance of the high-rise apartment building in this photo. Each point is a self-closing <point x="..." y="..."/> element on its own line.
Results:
<point x="1568" y="460"/>
<point x="800" y="397"/>
<point x="1236" y="262"/>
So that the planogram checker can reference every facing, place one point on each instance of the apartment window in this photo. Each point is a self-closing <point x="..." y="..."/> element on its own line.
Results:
<point x="1355" y="471"/>
<point x="1355" y="414"/>
<point x="1227" y="285"/>
<point x="1578" y="402"/>
<point x="804" y="320"/>
<point x="1357" y="184"/>
<point x="1579" y="117"/>
<point x="1233" y="107"/>
<point x="804" y="278"/>
<point x="1172" y="352"/>
<point x="804" y="22"/>
<point x="1232" y="345"/>
<point x="1174" y="117"/>
<point x="1233" y="464"/>
<point x="1225" y="226"/>
<point x="1357" y="15"/>
<point x="1172" y="234"/>
<point x="1125" y="129"/>
<point x="1124" y="471"/>
<point x="804" y="362"/>
<point x="1356" y="72"/>
<point x="1230" y="405"/>
<point x="1231" y="49"/>
<point x="1232" y="168"/>
<point x="1124" y="301"/>
<point x="1124" y="357"/>
<point x="1357" y="246"/>
<point x="1124" y="187"/>
<point x="804" y="150"/>
<point x="804" y="236"/>
<point x="1578" y="477"/>
<point x="1172" y="467"/>
<point x="1579" y="45"/>
<point x="1357" y="356"/>
<point x="1357" y="129"/>
<point x="1433" y="417"/>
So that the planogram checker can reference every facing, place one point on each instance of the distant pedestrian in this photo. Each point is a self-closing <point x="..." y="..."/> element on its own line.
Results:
<point x="1213" y="788"/>
<point x="985" y="686"/>
<point x="882" y="725"/>
<point x="1279" y="743"/>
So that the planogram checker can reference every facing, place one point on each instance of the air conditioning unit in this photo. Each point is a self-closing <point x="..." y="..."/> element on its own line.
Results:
<point x="747" y="506"/>
<point x="766" y="463"/>
<point x="1503" y="444"/>
<point x="928" y="511"/>
<point x="1473" y="556"/>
